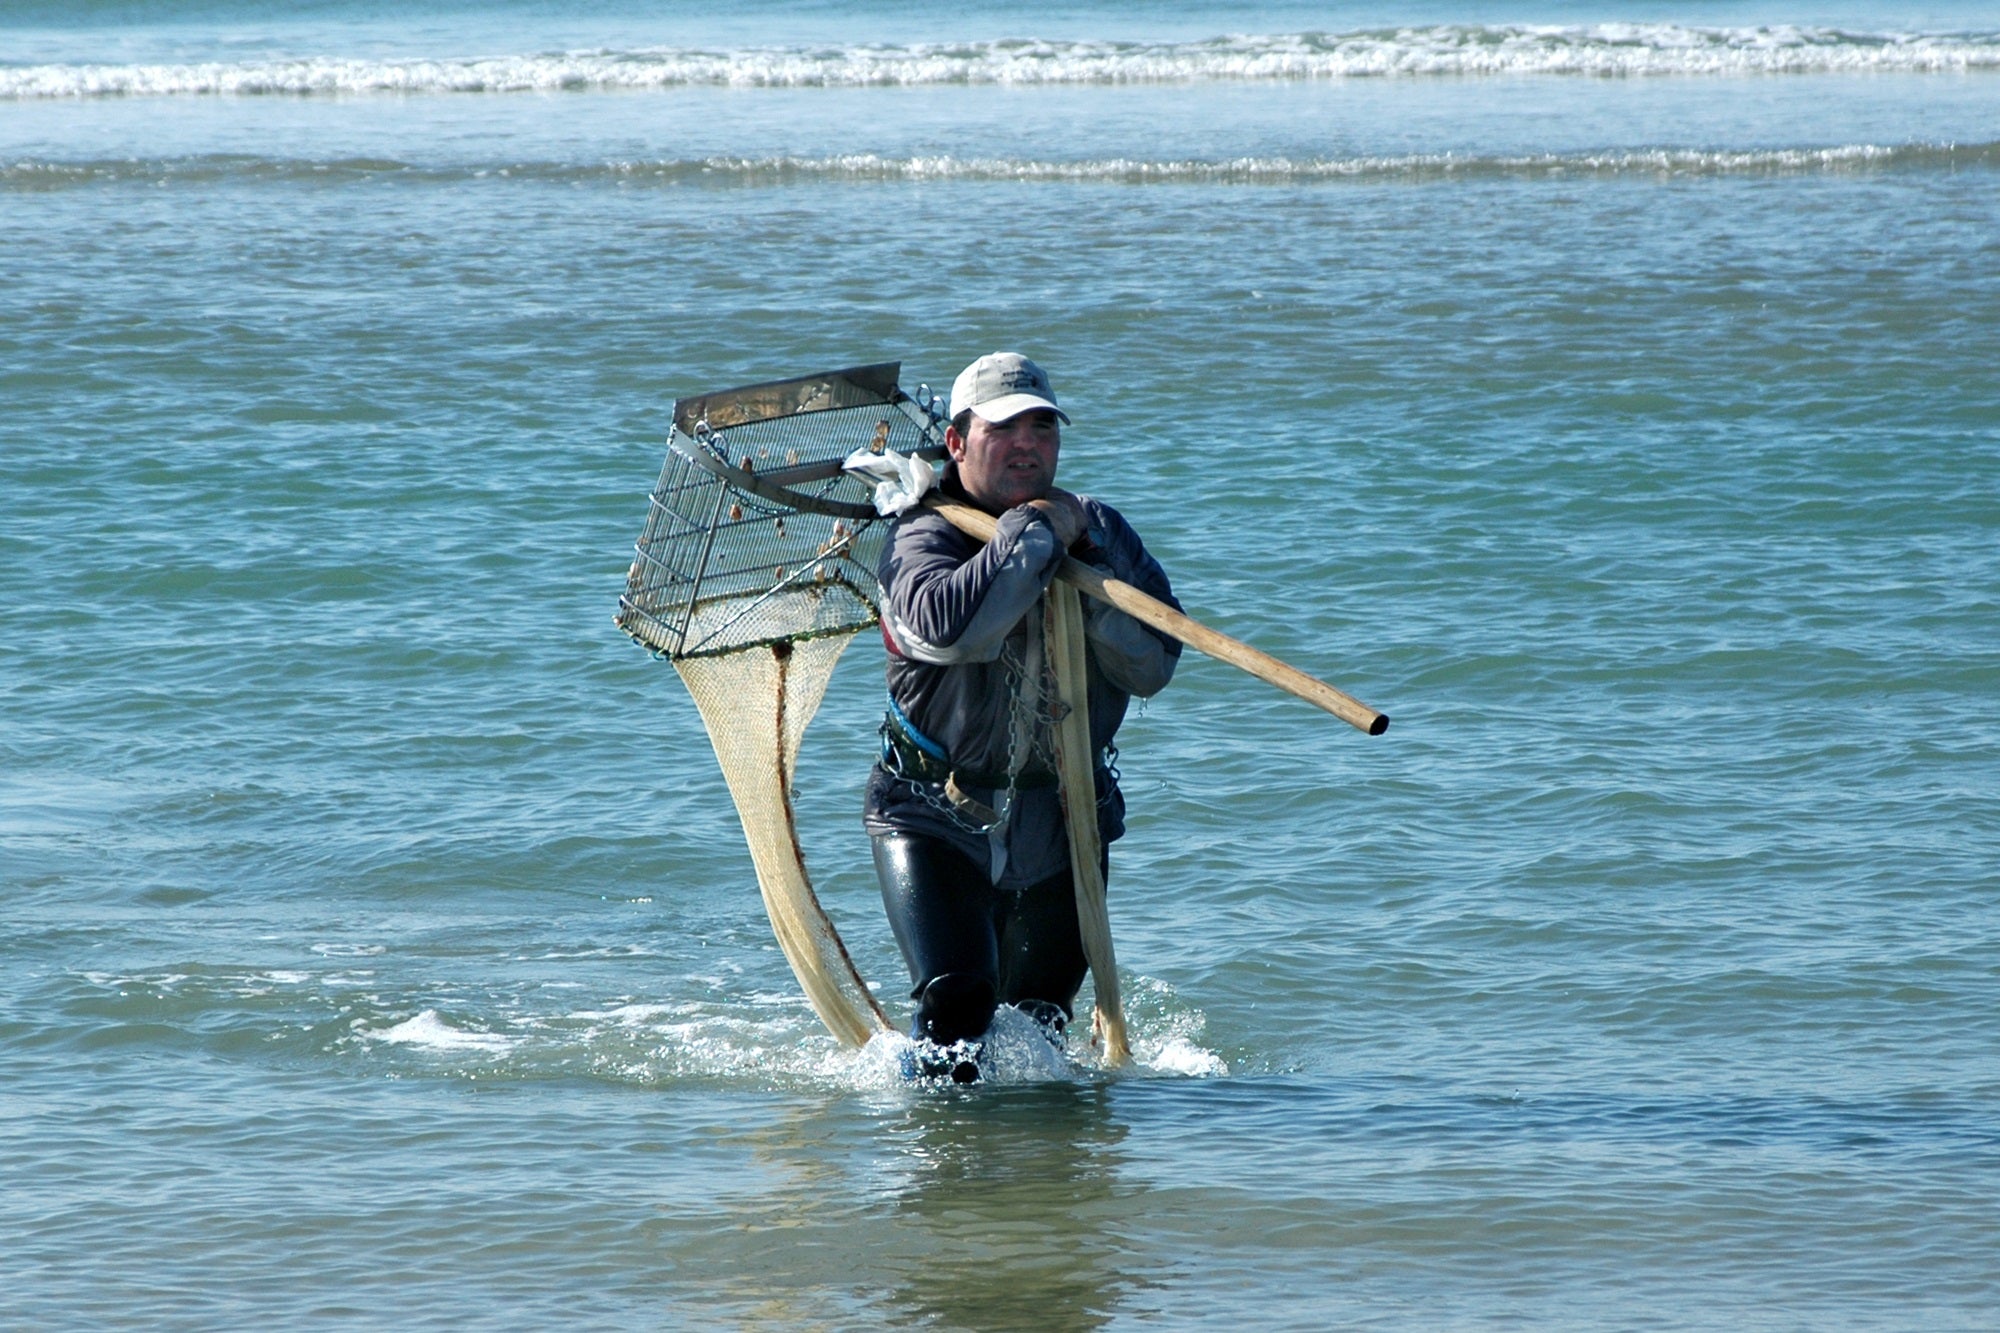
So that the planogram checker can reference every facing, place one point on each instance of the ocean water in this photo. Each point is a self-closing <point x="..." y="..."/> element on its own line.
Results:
<point x="1605" y="391"/>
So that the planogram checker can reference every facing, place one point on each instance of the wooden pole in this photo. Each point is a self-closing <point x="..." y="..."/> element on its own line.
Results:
<point x="979" y="524"/>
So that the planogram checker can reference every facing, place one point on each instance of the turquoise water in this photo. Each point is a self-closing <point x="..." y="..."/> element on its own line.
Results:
<point x="1616" y="410"/>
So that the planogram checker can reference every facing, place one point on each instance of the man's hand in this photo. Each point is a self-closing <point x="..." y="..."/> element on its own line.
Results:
<point x="1064" y="514"/>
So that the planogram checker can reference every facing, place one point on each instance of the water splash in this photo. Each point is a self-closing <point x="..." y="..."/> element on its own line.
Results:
<point x="432" y="1032"/>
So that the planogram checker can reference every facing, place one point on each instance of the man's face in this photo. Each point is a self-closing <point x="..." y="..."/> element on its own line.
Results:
<point x="1007" y="464"/>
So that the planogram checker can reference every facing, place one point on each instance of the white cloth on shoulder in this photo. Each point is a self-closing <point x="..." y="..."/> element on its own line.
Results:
<point x="901" y="480"/>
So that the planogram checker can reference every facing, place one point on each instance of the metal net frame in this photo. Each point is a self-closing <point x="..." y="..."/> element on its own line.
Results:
<point x="754" y="535"/>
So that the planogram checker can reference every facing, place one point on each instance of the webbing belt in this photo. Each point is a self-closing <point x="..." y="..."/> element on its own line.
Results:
<point x="902" y="755"/>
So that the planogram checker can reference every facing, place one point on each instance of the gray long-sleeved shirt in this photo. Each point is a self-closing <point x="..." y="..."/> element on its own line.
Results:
<point x="962" y="621"/>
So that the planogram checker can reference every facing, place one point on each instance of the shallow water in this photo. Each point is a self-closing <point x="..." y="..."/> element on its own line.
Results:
<point x="379" y="944"/>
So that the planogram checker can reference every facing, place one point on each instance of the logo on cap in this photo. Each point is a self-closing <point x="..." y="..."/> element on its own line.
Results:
<point x="1000" y="386"/>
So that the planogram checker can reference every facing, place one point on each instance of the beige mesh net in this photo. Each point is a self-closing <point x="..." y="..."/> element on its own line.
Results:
<point x="756" y="703"/>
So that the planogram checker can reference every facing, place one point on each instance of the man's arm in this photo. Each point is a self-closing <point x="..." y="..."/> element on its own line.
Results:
<point x="1132" y="656"/>
<point x="944" y="608"/>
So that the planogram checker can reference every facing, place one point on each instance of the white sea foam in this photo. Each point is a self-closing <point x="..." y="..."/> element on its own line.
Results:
<point x="164" y="981"/>
<point x="1289" y="170"/>
<point x="265" y="983"/>
<point x="1601" y="50"/>
<point x="785" y="169"/>
<point x="634" y="1015"/>
<point x="428" y="1030"/>
<point x="1182" y="1056"/>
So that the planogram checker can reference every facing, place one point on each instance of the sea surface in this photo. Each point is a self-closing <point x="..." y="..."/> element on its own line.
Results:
<point x="1605" y="391"/>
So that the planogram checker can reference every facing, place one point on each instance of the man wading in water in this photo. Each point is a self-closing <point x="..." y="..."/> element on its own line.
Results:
<point x="963" y="806"/>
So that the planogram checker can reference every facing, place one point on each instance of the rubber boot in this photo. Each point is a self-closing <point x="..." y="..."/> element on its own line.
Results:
<point x="953" y="1013"/>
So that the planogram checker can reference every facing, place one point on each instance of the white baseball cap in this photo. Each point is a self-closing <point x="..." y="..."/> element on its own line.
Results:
<point x="1001" y="386"/>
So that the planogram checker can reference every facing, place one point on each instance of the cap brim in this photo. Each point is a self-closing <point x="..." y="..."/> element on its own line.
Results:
<point x="1013" y="405"/>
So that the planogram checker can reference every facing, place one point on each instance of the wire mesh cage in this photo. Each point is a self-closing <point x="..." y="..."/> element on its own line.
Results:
<point x="755" y="535"/>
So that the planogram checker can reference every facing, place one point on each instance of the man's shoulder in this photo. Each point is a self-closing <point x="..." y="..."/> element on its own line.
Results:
<point x="1094" y="507"/>
<point x="1106" y="523"/>
<point x="921" y="524"/>
<point x="923" y="535"/>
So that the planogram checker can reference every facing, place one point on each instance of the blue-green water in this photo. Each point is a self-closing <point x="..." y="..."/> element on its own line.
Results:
<point x="1611" y="401"/>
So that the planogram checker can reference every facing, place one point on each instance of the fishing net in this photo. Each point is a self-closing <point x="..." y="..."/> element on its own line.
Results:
<point x="755" y="571"/>
<point x="755" y="704"/>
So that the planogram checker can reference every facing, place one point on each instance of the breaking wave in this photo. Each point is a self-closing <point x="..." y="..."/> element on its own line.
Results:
<point x="871" y="167"/>
<point x="1601" y="50"/>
